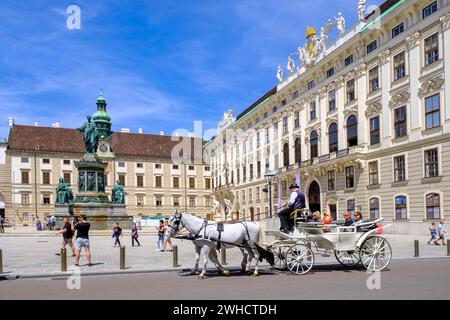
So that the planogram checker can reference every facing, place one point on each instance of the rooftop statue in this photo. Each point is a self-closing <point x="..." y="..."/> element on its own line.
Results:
<point x="340" y="23"/>
<point x="118" y="194"/>
<point x="91" y="135"/>
<point x="280" y="74"/>
<point x="362" y="10"/>
<point x="291" y="65"/>
<point x="64" y="194"/>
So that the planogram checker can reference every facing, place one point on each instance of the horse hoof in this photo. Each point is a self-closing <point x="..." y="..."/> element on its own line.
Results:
<point x="201" y="277"/>
<point x="255" y="274"/>
<point x="226" y="273"/>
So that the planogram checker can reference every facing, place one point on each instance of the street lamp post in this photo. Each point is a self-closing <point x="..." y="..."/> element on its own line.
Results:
<point x="269" y="176"/>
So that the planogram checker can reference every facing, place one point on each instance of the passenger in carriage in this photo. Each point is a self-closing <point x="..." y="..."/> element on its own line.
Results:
<point x="296" y="201"/>
<point x="348" y="219"/>
<point x="327" y="219"/>
<point x="358" y="218"/>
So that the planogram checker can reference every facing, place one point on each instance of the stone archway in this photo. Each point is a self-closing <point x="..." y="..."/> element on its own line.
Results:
<point x="2" y="205"/>
<point x="314" y="197"/>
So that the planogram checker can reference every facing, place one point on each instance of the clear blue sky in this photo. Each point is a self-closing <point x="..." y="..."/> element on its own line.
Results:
<point x="162" y="64"/>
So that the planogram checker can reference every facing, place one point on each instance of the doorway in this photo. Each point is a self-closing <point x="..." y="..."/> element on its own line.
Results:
<point x="314" y="197"/>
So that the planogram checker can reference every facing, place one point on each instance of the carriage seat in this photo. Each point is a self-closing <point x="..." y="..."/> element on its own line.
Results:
<point x="296" y="214"/>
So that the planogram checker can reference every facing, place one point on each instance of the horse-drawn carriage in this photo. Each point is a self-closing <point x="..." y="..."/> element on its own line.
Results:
<point x="351" y="245"/>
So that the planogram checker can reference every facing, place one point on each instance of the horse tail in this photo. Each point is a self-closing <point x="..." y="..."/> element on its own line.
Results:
<point x="261" y="233"/>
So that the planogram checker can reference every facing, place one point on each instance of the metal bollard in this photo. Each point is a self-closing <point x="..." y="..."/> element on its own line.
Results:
<point x="1" y="261"/>
<point x="416" y="249"/>
<point x="448" y="251"/>
<point x="63" y="260"/>
<point x="175" y="256"/>
<point x="223" y="256"/>
<point x="122" y="258"/>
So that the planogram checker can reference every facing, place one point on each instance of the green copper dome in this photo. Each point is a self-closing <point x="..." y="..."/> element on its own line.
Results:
<point x="101" y="118"/>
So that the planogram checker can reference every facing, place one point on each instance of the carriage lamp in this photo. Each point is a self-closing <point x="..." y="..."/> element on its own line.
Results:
<point x="270" y="176"/>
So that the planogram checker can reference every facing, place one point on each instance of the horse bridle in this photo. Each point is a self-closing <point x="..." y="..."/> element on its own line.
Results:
<point x="175" y="225"/>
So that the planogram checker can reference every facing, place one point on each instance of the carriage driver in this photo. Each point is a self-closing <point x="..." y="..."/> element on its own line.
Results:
<point x="296" y="201"/>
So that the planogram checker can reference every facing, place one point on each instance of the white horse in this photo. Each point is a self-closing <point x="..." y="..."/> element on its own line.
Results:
<point x="244" y="235"/>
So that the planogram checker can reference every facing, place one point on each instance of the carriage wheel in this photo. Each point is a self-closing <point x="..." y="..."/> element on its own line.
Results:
<point x="375" y="254"/>
<point x="299" y="259"/>
<point x="347" y="258"/>
<point x="279" y="251"/>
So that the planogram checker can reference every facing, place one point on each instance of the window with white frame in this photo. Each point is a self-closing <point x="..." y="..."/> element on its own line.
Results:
<point x="399" y="66"/>
<point x="432" y="111"/>
<point x="332" y="100"/>
<point x="350" y="85"/>
<point x="331" y="180"/>
<point x="429" y="10"/>
<point x="374" y="83"/>
<point x="399" y="168"/>
<point x="401" y="207"/>
<point x="374" y="207"/>
<point x="431" y="163"/>
<point x="433" y="204"/>
<point x="400" y="122"/>
<point x="373" y="173"/>
<point x="432" y="49"/>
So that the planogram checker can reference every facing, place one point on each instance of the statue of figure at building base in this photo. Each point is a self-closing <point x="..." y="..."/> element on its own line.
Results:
<point x="64" y="194"/>
<point x="118" y="194"/>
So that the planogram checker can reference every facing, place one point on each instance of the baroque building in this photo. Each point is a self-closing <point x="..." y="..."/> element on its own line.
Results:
<point x="160" y="173"/>
<point x="363" y="123"/>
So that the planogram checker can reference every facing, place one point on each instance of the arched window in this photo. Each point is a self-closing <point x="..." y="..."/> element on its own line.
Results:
<point x="286" y="154"/>
<point x="433" y="202"/>
<point x="352" y="131"/>
<point x="298" y="150"/>
<point x="333" y="137"/>
<point x="374" y="208"/>
<point x="314" y="141"/>
<point x="401" y="207"/>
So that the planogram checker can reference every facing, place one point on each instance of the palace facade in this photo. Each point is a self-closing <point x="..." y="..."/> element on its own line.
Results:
<point x="364" y="126"/>
<point x="34" y="158"/>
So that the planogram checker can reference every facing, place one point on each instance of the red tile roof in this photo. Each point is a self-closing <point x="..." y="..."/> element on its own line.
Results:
<point x="45" y="139"/>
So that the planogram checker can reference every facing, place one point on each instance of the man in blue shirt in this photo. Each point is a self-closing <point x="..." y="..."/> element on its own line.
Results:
<point x="296" y="201"/>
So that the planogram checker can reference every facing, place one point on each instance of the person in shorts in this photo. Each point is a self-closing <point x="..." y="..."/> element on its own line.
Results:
<point x="67" y="235"/>
<point x="82" y="242"/>
<point x="442" y="233"/>
<point x="433" y="233"/>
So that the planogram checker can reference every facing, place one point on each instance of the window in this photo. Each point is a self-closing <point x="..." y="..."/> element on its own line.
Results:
<point x="66" y="162"/>
<point x="373" y="173"/>
<point x="429" y="10"/>
<point x="191" y="168"/>
<point x="350" y="90"/>
<point x="207" y="169"/>
<point x="140" y="165"/>
<point x="348" y="61"/>
<point x="121" y="164"/>
<point x="140" y="181"/>
<point x="331" y="180"/>
<point x="399" y="169"/>
<point x="314" y="141"/>
<point x="298" y="150"/>
<point x="286" y="154"/>
<point x="285" y="125"/>
<point x="140" y="201"/>
<point x="67" y="177"/>
<point x="192" y="183"/>
<point x="207" y="183"/>
<point x="330" y="72"/>
<point x="433" y="202"/>
<point x="372" y="47"/>
<point x="401" y="208"/>
<point x="274" y="109"/>
<point x="176" y="201"/>
<point x="373" y="79"/>
<point x="25" y="199"/>
<point x="352" y="131"/>
<point x="350" y="177"/>
<point x="295" y="95"/>
<point x="25" y="216"/>
<point x="46" y="161"/>
<point x="158" y="201"/>
<point x="158" y="181"/>
<point x="46" y="199"/>
<point x="399" y="66"/>
<point x="258" y="169"/>
<point x="122" y="179"/>
<point x="311" y="85"/>
<point x="25" y="160"/>
<point x="207" y="201"/>
<point x="251" y="171"/>
<point x="192" y="202"/>
<point x="374" y="207"/>
<point x="266" y="115"/>
<point x="332" y="100"/>
<point x="297" y="119"/>
<point x="158" y="166"/>
<point x="431" y="163"/>
<point x="433" y="112"/>
<point x="275" y="131"/>
<point x="398" y="30"/>
<point x="283" y="103"/>
<point x="375" y="130"/>
<point x="333" y="137"/>
<point x="431" y="49"/>
<point x="351" y="206"/>
<point x="312" y="111"/>
<point x="400" y="125"/>
<point x="46" y="178"/>
<point x="176" y="182"/>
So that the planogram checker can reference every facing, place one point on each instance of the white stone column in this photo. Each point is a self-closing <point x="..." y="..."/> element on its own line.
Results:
<point x="446" y="53"/>
<point x="340" y="105"/>
<point x="361" y="87"/>
<point x="322" y="114"/>
<point x="384" y="61"/>
<point x="416" y="112"/>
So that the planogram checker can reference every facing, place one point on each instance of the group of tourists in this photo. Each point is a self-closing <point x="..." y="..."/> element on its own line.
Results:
<point x="163" y="225"/>
<point x="438" y="233"/>
<point x="117" y="233"/>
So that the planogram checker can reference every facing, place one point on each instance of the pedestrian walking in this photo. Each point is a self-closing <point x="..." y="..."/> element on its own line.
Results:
<point x="168" y="240"/>
<point x="67" y="235"/>
<point x="52" y="221"/>
<point x="117" y="233"/>
<point x="160" y="239"/>
<point x="38" y="224"/>
<point x="2" y="224"/>
<point x="442" y="233"/>
<point x="82" y="227"/>
<point x="135" y="235"/>
<point x="433" y="233"/>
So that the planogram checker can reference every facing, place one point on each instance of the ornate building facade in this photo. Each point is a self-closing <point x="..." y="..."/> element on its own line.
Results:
<point x="34" y="158"/>
<point x="363" y="123"/>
